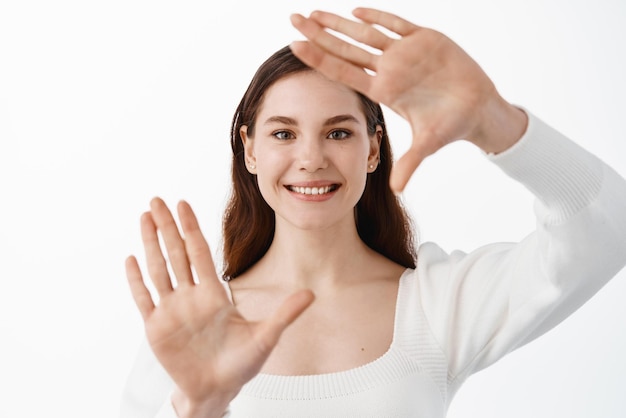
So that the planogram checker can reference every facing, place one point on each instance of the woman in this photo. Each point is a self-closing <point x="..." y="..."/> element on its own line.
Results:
<point x="312" y="216"/>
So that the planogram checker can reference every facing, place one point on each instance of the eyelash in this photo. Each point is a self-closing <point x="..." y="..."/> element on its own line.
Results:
<point x="278" y="135"/>
<point x="345" y="134"/>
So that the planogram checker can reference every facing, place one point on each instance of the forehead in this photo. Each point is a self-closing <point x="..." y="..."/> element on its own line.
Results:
<point x="312" y="95"/>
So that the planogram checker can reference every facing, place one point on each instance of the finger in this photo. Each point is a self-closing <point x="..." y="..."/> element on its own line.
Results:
<point x="141" y="294"/>
<point x="315" y="33"/>
<point x="404" y="168"/>
<point x="332" y="67"/>
<point x="387" y="20"/>
<point x="174" y="243"/>
<point x="157" y="267"/>
<point x="197" y="247"/>
<point x="272" y="328"/>
<point x="360" y="32"/>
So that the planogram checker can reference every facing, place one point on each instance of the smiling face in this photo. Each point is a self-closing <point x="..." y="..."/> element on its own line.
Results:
<point x="311" y="151"/>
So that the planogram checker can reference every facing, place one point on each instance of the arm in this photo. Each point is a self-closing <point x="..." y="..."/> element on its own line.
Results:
<point x="483" y="304"/>
<point x="422" y="75"/>
<point x="486" y="303"/>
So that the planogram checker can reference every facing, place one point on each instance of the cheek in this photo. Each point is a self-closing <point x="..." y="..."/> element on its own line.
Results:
<point x="266" y="188"/>
<point x="270" y="163"/>
<point x="354" y="159"/>
<point x="270" y="168"/>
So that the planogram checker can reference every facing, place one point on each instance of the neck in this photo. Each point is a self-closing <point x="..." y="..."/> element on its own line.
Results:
<point x="314" y="258"/>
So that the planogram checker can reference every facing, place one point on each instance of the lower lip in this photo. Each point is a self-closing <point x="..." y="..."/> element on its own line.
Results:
<point x="313" y="197"/>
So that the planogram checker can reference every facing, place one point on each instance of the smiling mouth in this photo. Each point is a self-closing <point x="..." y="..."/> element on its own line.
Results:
<point x="313" y="190"/>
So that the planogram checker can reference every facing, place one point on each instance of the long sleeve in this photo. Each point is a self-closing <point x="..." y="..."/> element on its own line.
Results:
<point x="484" y="304"/>
<point x="148" y="388"/>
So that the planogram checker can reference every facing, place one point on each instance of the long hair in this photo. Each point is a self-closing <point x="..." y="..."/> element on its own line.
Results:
<point x="249" y="222"/>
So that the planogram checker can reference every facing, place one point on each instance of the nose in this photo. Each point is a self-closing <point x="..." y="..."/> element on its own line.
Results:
<point x="311" y="154"/>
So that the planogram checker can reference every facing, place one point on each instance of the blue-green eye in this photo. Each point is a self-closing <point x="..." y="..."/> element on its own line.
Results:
<point x="283" y="135"/>
<point x="339" y="134"/>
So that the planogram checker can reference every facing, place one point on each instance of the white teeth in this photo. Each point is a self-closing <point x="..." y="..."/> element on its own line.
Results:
<point x="311" y="190"/>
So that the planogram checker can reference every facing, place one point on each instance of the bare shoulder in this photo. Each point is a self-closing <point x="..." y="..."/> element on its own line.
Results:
<point x="381" y="268"/>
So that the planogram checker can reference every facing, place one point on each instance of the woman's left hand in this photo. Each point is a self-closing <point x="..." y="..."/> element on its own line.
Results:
<point x="421" y="74"/>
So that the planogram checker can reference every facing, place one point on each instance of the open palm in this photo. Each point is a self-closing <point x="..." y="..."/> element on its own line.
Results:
<point x="198" y="336"/>
<point x="420" y="74"/>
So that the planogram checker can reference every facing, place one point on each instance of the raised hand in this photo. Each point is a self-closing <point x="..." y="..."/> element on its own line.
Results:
<point x="202" y="341"/>
<point x="421" y="74"/>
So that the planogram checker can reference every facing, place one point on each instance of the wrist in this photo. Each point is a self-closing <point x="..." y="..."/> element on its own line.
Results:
<point x="214" y="407"/>
<point x="502" y="125"/>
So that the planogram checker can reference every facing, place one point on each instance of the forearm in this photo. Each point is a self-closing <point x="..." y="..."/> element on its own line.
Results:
<point x="484" y="304"/>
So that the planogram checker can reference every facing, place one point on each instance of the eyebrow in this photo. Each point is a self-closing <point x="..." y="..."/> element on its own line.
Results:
<point x="330" y="121"/>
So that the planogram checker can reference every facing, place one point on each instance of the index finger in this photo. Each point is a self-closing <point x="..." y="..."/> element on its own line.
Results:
<point x="197" y="247"/>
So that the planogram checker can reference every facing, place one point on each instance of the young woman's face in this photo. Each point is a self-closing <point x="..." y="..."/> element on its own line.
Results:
<point x="311" y="151"/>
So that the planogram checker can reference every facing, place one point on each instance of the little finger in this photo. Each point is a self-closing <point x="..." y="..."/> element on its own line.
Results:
<point x="141" y="294"/>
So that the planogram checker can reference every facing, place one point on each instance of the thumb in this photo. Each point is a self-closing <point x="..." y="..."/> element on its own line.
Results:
<point x="404" y="168"/>
<point x="271" y="329"/>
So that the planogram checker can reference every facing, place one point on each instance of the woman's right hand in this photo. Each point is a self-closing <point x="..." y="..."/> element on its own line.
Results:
<point x="206" y="346"/>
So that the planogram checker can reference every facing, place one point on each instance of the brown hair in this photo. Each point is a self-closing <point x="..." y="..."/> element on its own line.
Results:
<point x="248" y="226"/>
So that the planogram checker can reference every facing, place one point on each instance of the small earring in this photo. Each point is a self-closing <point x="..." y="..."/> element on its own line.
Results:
<point x="252" y="166"/>
<point x="371" y="166"/>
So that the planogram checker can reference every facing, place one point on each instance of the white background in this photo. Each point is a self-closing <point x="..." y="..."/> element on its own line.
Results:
<point x="104" y="104"/>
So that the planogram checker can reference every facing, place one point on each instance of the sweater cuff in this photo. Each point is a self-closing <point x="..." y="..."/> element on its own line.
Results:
<point x="562" y="175"/>
<point x="167" y="410"/>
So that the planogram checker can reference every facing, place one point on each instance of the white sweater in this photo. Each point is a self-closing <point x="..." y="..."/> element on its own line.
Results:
<point x="457" y="313"/>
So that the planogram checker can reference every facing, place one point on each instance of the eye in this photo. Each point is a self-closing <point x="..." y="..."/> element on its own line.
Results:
<point x="339" y="134"/>
<point x="283" y="135"/>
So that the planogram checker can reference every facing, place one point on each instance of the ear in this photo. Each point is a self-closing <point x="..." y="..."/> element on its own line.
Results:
<point x="374" y="156"/>
<point x="248" y="149"/>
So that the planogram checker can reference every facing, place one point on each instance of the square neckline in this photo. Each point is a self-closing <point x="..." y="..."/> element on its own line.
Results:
<point x="370" y="364"/>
